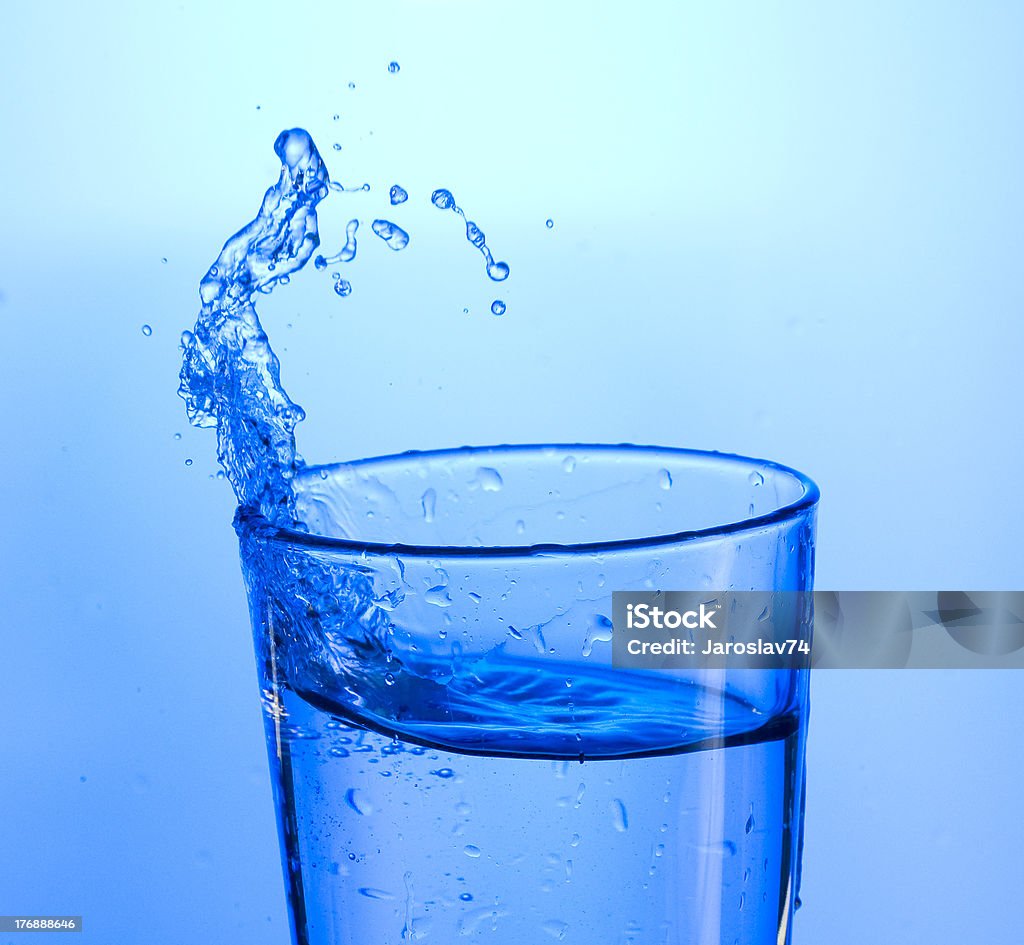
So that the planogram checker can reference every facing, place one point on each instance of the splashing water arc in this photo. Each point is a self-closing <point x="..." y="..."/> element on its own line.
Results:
<point x="230" y="377"/>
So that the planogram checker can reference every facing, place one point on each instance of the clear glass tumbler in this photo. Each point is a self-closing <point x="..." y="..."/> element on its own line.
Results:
<point x="454" y="756"/>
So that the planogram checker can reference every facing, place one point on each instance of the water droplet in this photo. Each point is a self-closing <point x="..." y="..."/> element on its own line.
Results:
<point x="498" y="307"/>
<point x="556" y="928"/>
<point x="490" y="479"/>
<point x="163" y="259"/>
<point x="549" y="223"/>
<point x="358" y="802"/>
<point x="749" y="825"/>
<point x="520" y="526"/>
<point x="389" y="678"/>
<point x="336" y="146"/>
<point x="498" y="271"/>
<point x="391" y="233"/>
<point x="664" y="479"/>
<point x="343" y="287"/>
<point x="146" y="330"/>
<point x="442" y="199"/>
<point x="472" y="851"/>
<point x="188" y="462"/>
<point x="619" y="817"/>
<point x="177" y="436"/>
<point x="351" y="85"/>
<point x="372" y="893"/>
<point x="755" y="478"/>
<point x="569" y="464"/>
<point x="335" y="117"/>
<point x="580" y="791"/>
<point x="398" y="195"/>
<point x="338" y="752"/>
<point x="443" y="773"/>
<point x="320" y="263"/>
<point x="428" y="502"/>
<point x="186" y="339"/>
<point x="474" y="234"/>
<point x="393" y="67"/>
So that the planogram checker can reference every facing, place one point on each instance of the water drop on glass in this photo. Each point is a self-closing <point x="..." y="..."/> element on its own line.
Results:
<point x="664" y="479"/>
<point x="466" y="897"/>
<point x="357" y="801"/>
<point x="749" y="825"/>
<point x="490" y="479"/>
<point x="471" y="851"/>
<point x="188" y="462"/>
<point x="428" y="502"/>
<point x="498" y="307"/>
<point x="755" y="478"/>
<point x="619" y="817"/>
<point x="146" y="330"/>
<point x="549" y="223"/>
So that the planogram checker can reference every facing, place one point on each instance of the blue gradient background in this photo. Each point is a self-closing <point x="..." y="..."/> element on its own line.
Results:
<point x="788" y="230"/>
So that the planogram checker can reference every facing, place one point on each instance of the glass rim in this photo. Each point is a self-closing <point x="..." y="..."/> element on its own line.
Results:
<point x="248" y="519"/>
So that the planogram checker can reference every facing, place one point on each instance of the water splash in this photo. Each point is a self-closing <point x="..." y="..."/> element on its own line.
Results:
<point x="391" y="233"/>
<point x="444" y="200"/>
<point x="230" y="377"/>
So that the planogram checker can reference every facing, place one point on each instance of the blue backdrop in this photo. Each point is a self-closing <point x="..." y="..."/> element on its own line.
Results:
<point x="792" y="230"/>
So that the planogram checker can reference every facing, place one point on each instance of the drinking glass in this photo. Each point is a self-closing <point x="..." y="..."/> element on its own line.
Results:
<point x="454" y="756"/>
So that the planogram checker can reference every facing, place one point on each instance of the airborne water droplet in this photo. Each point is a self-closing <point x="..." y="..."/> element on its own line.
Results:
<point x="391" y="233"/>
<point x="320" y="263"/>
<point x="146" y="330"/>
<point x="394" y="67"/>
<point x="498" y="307"/>
<point x="398" y="195"/>
<point x="549" y="223"/>
<point x="442" y="199"/>
<point x="498" y="271"/>
<point x="343" y="287"/>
